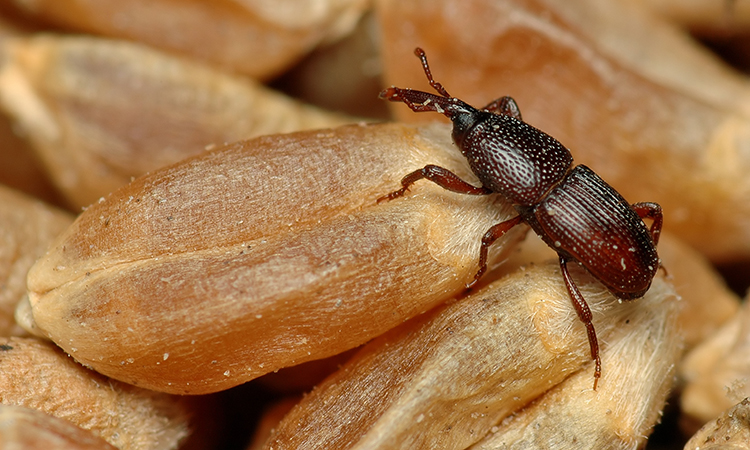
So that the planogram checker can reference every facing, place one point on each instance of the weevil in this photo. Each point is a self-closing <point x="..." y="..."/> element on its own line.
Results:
<point x="570" y="207"/>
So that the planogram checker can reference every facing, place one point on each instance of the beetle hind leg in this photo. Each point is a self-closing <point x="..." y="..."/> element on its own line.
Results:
<point x="584" y="314"/>
<point x="650" y="210"/>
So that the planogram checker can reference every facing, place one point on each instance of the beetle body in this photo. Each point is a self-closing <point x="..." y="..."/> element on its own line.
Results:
<point x="571" y="208"/>
<point x="585" y="220"/>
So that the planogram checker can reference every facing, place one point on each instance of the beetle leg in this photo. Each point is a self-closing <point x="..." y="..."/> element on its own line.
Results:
<point x="440" y="176"/>
<point x="584" y="314"/>
<point x="650" y="210"/>
<point x="505" y="106"/>
<point x="489" y="238"/>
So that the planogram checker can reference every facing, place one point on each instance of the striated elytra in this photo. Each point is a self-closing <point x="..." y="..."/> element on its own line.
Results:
<point x="572" y="209"/>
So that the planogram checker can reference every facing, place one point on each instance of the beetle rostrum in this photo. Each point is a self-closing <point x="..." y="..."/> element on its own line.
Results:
<point x="571" y="208"/>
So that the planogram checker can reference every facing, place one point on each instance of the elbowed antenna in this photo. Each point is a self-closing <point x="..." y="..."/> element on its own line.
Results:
<point x="420" y="101"/>
<point x="426" y="67"/>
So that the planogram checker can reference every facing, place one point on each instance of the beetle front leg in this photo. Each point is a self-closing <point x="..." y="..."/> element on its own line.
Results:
<point x="650" y="210"/>
<point x="494" y="233"/>
<point x="440" y="176"/>
<point x="584" y="314"/>
<point x="505" y="106"/>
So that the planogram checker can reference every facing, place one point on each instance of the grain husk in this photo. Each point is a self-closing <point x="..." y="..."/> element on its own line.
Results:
<point x="261" y="255"/>
<point x="707" y="17"/>
<point x="27" y="227"/>
<point x="446" y="378"/>
<point x="255" y="37"/>
<point x="639" y="366"/>
<point x="36" y="374"/>
<point x="99" y="112"/>
<point x="729" y="431"/>
<point x="29" y="429"/>
<point x="716" y="372"/>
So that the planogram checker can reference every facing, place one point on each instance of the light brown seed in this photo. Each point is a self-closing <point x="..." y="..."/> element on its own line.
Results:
<point x="27" y="227"/>
<point x="445" y="379"/>
<point x="99" y="112"/>
<point x="36" y="374"/>
<point x="29" y="429"/>
<point x="256" y="37"/>
<point x="260" y="255"/>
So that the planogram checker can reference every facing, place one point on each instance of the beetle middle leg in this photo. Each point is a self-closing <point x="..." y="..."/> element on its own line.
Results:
<point x="494" y="233"/>
<point x="440" y="176"/>
<point x="584" y="314"/>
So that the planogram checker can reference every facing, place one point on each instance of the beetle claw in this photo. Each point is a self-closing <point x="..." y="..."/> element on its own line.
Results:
<point x="392" y="195"/>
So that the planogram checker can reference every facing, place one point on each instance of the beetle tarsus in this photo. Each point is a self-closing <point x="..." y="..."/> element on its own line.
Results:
<point x="477" y="276"/>
<point x="392" y="195"/>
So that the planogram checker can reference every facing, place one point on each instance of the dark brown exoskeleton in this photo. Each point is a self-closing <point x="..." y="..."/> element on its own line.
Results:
<point x="571" y="208"/>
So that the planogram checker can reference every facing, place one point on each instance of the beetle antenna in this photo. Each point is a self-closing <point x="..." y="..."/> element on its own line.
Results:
<point x="420" y="101"/>
<point x="426" y="66"/>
